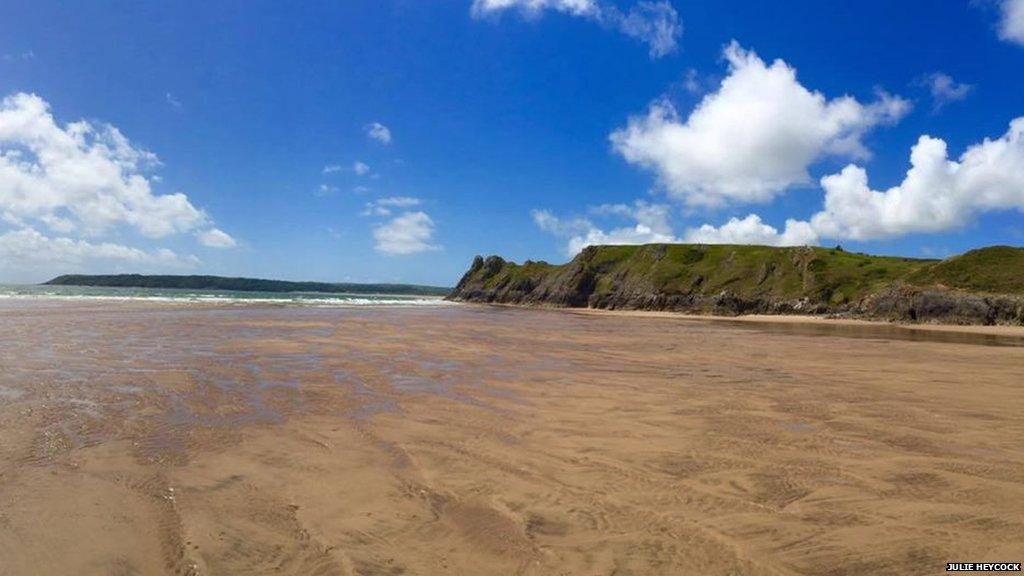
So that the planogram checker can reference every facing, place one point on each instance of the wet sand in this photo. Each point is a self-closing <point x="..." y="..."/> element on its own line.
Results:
<point x="169" y="439"/>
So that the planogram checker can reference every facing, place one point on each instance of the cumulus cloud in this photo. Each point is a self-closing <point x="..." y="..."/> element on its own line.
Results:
<point x="360" y="168"/>
<point x="29" y="246"/>
<point x="656" y="24"/>
<point x="1011" y="26"/>
<point x="751" y="230"/>
<point x="650" y="224"/>
<point x="378" y="132"/>
<point x="216" y="238"/>
<point x="945" y="90"/>
<point x="81" y="178"/>
<point x="409" y="233"/>
<point x="332" y="168"/>
<point x="753" y="138"/>
<point x="936" y="195"/>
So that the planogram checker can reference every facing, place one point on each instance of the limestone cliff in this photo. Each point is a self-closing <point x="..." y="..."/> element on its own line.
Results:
<point x="984" y="286"/>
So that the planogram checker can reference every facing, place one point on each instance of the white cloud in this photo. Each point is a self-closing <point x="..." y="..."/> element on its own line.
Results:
<point x="23" y="56"/>
<point x="753" y="138"/>
<point x="332" y="168"/>
<point x="654" y="23"/>
<point x="548" y="222"/>
<point x="936" y="195"/>
<point x="1011" y="27"/>
<point x="945" y="90"/>
<point x="172" y="101"/>
<point x="383" y="206"/>
<point x="216" y="238"/>
<point x="650" y="225"/>
<point x="326" y="190"/>
<point x="751" y="230"/>
<point x="81" y="177"/>
<point x="533" y="7"/>
<point x="28" y="246"/>
<point x="360" y="168"/>
<point x="399" y="201"/>
<point x="379" y="132"/>
<point x="372" y="209"/>
<point x="692" y="82"/>
<point x="410" y="233"/>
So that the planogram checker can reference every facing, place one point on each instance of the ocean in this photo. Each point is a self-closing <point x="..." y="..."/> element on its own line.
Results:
<point x="320" y="299"/>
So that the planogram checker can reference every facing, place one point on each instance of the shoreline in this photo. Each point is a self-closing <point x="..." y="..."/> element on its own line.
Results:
<point x="218" y="298"/>
<point x="418" y="302"/>
<point x="810" y="320"/>
<point x="995" y="330"/>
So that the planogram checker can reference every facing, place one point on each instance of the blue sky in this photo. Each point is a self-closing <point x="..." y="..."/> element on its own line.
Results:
<point x="526" y="128"/>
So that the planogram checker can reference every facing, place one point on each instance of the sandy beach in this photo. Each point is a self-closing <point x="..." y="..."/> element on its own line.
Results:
<point x="461" y="439"/>
<point x="998" y="330"/>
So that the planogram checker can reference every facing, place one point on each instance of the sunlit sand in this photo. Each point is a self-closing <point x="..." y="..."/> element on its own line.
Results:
<point x="177" y="439"/>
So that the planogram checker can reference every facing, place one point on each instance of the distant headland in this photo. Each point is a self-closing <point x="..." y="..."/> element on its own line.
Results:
<point x="241" y="284"/>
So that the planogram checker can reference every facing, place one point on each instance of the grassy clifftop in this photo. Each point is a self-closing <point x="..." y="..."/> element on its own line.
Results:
<point x="738" y="279"/>
<point x="993" y="270"/>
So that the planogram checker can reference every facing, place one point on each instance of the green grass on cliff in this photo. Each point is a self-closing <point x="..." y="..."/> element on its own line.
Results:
<point x="521" y="274"/>
<point x="822" y="274"/>
<point x="997" y="270"/>
<point x="830" y="275"/>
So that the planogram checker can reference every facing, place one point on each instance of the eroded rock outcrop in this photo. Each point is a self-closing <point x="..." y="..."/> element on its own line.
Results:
<point x="735" y="280"/>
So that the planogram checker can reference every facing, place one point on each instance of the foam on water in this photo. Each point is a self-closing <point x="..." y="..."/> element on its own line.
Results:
<point x="86" y="293"/>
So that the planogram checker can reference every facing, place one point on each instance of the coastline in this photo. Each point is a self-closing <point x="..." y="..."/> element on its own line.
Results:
<point x="175" y="296"/>
<point x="799" y="319"/>
<point x="368" y="301"/>
<point x="996" y="330"/>
<point x="981" y="287"/>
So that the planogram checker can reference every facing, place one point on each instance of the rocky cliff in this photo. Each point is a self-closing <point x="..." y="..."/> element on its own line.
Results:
<point x="984" y="286"/>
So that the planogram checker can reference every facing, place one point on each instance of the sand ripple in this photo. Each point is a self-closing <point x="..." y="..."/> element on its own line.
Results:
<point x="467" y="440"/>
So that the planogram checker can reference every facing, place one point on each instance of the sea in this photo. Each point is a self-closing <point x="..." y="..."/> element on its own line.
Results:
<point x="87" y="293"/>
